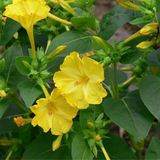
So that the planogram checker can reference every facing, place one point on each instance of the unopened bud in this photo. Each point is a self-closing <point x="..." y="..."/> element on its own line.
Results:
<point x="90" y="125"/>
<point x="67" y="7"/>
<point x="97" y="137"/>
<point x="27" y="65"/>
<point x="88" y="54"/>
<point x="100" y="41"/>
<point x="149" y="28"/>
<point x="57" y="51"/>
<point x="57" y="143"/>
<point x="15" y="35"/>
<point x="21" y="121"/>
<point x="145" y="44"/>
<point x="3" y="94"/>
<point x="136" y="35"/>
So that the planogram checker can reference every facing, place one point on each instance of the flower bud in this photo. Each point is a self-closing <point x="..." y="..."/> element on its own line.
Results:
<point x="57" y="51"/>
<point x="97" y="137"/>
<point x="67" y="7"/>
<point x="100" y="41"/>
<point x="15" y="35"/>
<point x="56" y="144"/>
<point x="27" y="65"/>
<point x="149" y="28"/>
<point x="145" y="44"/>
<point x="90" y="125"/>
<point x="3" y="94"/>
<point x="129" y="5"/>
<point x="21" y="121"/>
<point x="136" y="35"/>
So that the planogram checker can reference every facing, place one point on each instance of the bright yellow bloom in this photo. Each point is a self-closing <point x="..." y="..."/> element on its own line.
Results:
<point x="79" y="81"/>
<point x="57" y="143"/>
<point x="129" y="5"/>
<point x="149" y="28"/>
<point x="53" y="113"/>
<point x="27" y="13"/>
<point x="22" y="121"/>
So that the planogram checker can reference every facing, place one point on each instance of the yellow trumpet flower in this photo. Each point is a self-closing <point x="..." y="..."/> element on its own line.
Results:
<point x="22" y="121"/>
<point x="145" y="44"/>
<point x="27" y="13"/>
<point x="57" y="143"/>
<point x="79" y="81"/>
<point x="53" y="112"/>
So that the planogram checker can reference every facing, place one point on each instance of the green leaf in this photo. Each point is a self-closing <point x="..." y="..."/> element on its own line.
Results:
<point x="150" y="93"/>
<point x="130" y="114"/>
<point x="10" y="73"/>
<point x="41" y="148"/>
<point x="20" y="66"/>
<point x="7" y="123"/>
<point x="153" y="151"/>
<point x="81" y="23"/>
<point x="116" y="148"/>
<point x="80" y="148"/>
<point x="3" y="107"/>
<point x="113" y="20"/>
<point x="11" y="27"/>
<point x="91" y="114"/>
<point x="75" y="41"/>
<point x="29" y="92"/>
<point x="153" y="59"/>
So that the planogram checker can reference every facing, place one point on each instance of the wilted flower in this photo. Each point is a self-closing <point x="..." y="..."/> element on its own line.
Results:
<point x="79" y="81"/>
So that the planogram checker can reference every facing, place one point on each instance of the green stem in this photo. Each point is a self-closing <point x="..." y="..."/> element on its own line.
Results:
<point x="116" y="80"/>
<point x="105" y="153"/>
<point x="8" y="141"/>
<point x="9" y="155"/>
<point x="129" y="80"/>
<point x="111" y="82"/>
<point x="17" y="103"/>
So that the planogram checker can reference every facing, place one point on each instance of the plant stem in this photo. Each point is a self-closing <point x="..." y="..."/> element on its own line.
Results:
<point x="8" y="141"/>
<point x="129" y="80"/>
<point x="116" y="80"/>
<point x="111" y="82"/>
<point x="17" y="103"/>
<point x="105" y="153"/>
<point x="9" y="155"/>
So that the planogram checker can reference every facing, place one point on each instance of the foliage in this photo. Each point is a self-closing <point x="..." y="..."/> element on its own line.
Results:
<point x="61" y="92"/>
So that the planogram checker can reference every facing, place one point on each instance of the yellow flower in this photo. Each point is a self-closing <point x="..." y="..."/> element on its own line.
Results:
<point x="129" y="5"/>
<point x="27" y="13"/>
<point x="149" y="28"/>
<point x="79" y="81"/>
<point x="3" y="93"/>
<point x="53" y="113"/>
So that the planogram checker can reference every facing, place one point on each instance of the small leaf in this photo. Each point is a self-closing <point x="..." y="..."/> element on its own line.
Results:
<point x="153" y="151"/>
<point x="29" y="92"/>
<point x="80" y="148"/>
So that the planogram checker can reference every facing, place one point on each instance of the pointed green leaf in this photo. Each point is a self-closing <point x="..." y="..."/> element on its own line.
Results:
<point x="153" y="151"/>
<point x="75" y="41"/>
<point x="3" y="107"/>
<point x="11" y="27"/>
<point x="150" y="93"/>
<point x="41" y="148"/>
<point x="113" y="20"/>
<point x="10" y="73"/>
<point x="29" y="92"/>
<point x="130" y="114"/>
<point x="80" y="148"/>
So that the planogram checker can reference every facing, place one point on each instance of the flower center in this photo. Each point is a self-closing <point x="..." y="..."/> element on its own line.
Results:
<point x="51" y="108"/>
<point x="82" y="81"/>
